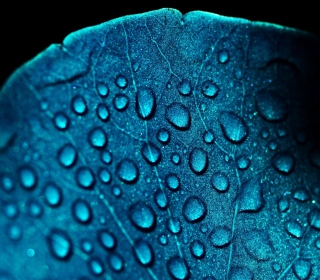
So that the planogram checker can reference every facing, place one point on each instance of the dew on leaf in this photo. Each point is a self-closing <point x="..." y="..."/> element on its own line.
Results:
<point x="61" y="121"/>
<point x="178" y="116"/>
<point x="107" y="240"/>
<point x="34" y="209"/>
<point x="151" y="153"/>
<point x="177" y="268"/>
<point x="60" y="244"/>
<point x="251" y="197"/>
<point x="174" y="225"/>
<point x="142" y="216"/>
<point x="121" y="81"/>
<point x="283" y="162"/>
<point x="97" y="138"/>
<point x="283" y="204"/>
<point x="106" y="157"/>
<point x="85" y="178"/>
<point x="220" y="181"/>
<point x="104" y="175"/>
<point x="116" y="262"/>
<point x="194" y="209"/>
<point x="143" y="252"/>
<point x="301" y="195"/>
<point x="294" y="228"/>
<point x="14" y="232"/>
<point x="223" y="56"/>
<point x="86" y="246"/>
<point x="6" y="183"/>
<point x="175" y="158"/>
<point x="102" y="112"/>
<point x="11" y="210"/>
<point x="161" y="199"/>
<point x="233" y="127"/>
<point x="120" y="102"/>
<point x="197" y="249"/>
<point x="95" y="266"/>
<point x="172" y="182"/>
<point x="208" y="137"/>
<point x="81" y="211"/>
<point x="145" y="103"/>
<point x="220" y="236"/>
<point x="210" y="89"/>
<point x="52" y="195"/>
<point x="103" y="90"/>
<point x="79" y="105"/>
<point x="243" y="162"/>
<point x="127" y="171"/>
<point x="163" y="136"/>
<point x="67" y="156"/>
<point x="198" y="160"/>
<point x="28" y="177"/>
<point x="184" y="87"/>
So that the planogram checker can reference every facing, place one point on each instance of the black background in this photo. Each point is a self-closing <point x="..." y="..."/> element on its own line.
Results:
<point x="27" y="30"/>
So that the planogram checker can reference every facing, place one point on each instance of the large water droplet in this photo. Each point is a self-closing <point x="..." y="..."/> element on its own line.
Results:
<point x="233" y="127"/>
<point x="197" y="249"/>
<point x="257" y="244"/>
<point x="121" y="81"/>
<point x="143" y="252"/>
<point x="174" y="225"/>
<point x="120" y="101"/>
<point x="220" y="236"/>
<point x="314" y="218"/>
<point x="79" y="105"/>
<point x="198" y="160"/>
<point x="142" y="216"/>
<point x="283" y="162"/>
<point x="302" y="269"/>
<point x="81" y="211"/>
<point x="194" y="209"/>
<point x="294" y="228"/>
<point x="102" y="112"/>
<point x="271" y="106"/>
<point x="85" y="178"/>
<point x="178" y="268"/>
<point x="107" y="240"/>
<point x="98" y="138"/>
<point x="145" y="103"/>
<point x="163" y="136"/>
<point x="115" y="262"/>
<point x="151" y="153"/>
<point x="60" y="244"/>
<point x="210" y="89"/>
<point x="61" y="121"/>
<point x="67" y="156"/>
<point x="178" y="116"/>
<point x="184" y="87"/>
<point x="95" y="266"/>
<point x="28" y="177"/>
<point x="251" y="197"/>
<point x="223" y="56"/>
<point x="53" y="195"/>
<point x="172" y="182"/>
<point x="103" y="90"/>
<point x="161" y="199"/>
<point x="220" y="182"/>
<point x="127" y="171"/>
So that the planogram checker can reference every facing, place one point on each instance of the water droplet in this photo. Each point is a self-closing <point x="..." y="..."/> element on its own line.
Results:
<point x="95" y="266"/>
<point x="174" y="225"/>
<point x="121" y="81"/>
<point x="301" y="195"/>
<point x="86" y="246"/>
<point x="220" y="236"/>
<point x="241" y="273"/>
<point x="251" y="197"/>
<point x="294" y="228"/>
<point x="28" y="177"/>
<point x="283" y="162"/>
<point x="233" y="127"/>
<point x="102" y="112"/>
<point x="282" y="132"/>
<point x="85" y="178"/>
<point x="143" y="252"/>
<point x="210" y="89"/>
<point x="271" y="106"/>
<point x="106" y="157"/>
<point x="120" y="101"/>
<point x="142" y="216"/>
<point x="104" y="175"/>
<point x="14" y="232"/>
<point x="317" y="243"/>
<point x="208" y="137"/>
<point x="223" y="56"/>
<point x="103" y="90"/>
<point x="127" y="171"/>
<point x="163" y="136"/>
<point x="197" y="249"/>
<point x="302" y="269"/>
<point x="276" y="267"/>
<point x="272" y="145"/>
<point x="52" y="195"/>
<point x="194" y="209"/>
<point x="198" y="161"/>
<point x="115" y="262"/>
<point x="315" y="156"/>
<point x="257" y="244"/>
<point x="61" y="121"/>
<point x="220" y="182"/>
<point x="151" y="153"/>
<point x="116" y="191"/>
<point x="79" y="105"/>
<point x="6" y="183"/>
<point x="184" y="87"/>
<point x="243" y="162"/>
<point x="177" y="268"/>
<point x="107" y="240"/>
<point x="175" y="158"/>
<point x="67" y="156"/>
<point x="34" y="209"/>
<point x="81" y="211"/>
<point x="59" y="244"/>
<point x="98" y="138"/>
<point x="145" y="103"/>
<point x="11" y="210"/>
<point x="314" y="218"/>
<point x="264" y="133"/>
<point x="30" y="253"/>
<point x="161" y="199"/>
<point x="163" y="239"/>
<point x="172" y="182"/>
<point x="178" y="116"/>
<point x="283" y="204"/>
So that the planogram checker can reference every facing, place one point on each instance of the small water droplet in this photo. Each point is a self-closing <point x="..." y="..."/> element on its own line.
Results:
<point x="61" y="121"/>
<point x="282" y="132"/>
<point x="210" y="89"/>
<point x="243" y="162"/>
<point x="272" y="145"/>
<point x="34" y="209"/>
<point x="81" y="211"/>
<point x="178" y="116"/>
<point x="6" y="183"/>
<point x="115" y="262"/>
<point x="28" y="177"/>
<point x="14" y="232"/>
<point x="174" y="225"/>
<point x="98" y="138"/>
<point x="163" y="136"/>
<point x="145" y="103"/>
<point x="121" y="81"/>
<point x="220" y="236"/>
<point x="175" y="158"/>
<point x="276" y="266"/>
<point x="120" y="102"/>
<point x="86" y="246"/>
<point x="177" y="268"/>
<point x="184" y="87"/>
<point x="194" y="209"/>
<point x="220" y="182"/>
<point x="107" y="240"/>
<point x="172" y="182"/>
<point x="283" y="204"/>
<point x="223" y="56"/>
<point x="103" y="90"/>
<point x="208" y="137"/>
<point x="85" y="178"/>
<point x="142" y="216"/>
<point x="106" y="157"/>
<point x="283" y="162"/>
<point x="161" y="199"/>
<point x="163" y="239"/>
<point x="197" y="249"/>
<point x="251" y="196"/>
<point x="264" y="133"/>
<point x="102" y="112"/>
<point x="294" y="228"/>
<point x="11" y="210"/>
<point x="52" y="195"/>
<point x="301" y="195"/>
<point x="30" y="253"/>
<point x="79" y="105"/>
<point x="198" y="161"/>
<point x="67" y="156"/>
<point x="59" y="244"/>
<point x="151" y="153"/>
<point x="302" y="269"/>
<point x="95" y="266"/>
<point x="116" y="191"/>
<point x="314" y="218"/>
<point x="143" y="252"/>
<point x="127" y="171"/>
